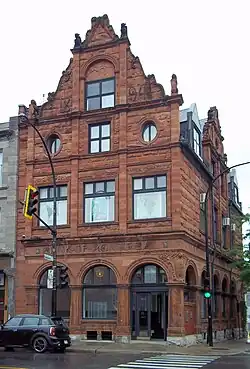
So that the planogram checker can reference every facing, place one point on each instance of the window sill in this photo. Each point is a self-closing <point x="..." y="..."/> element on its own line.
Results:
<point x="63" y="226"/>
<point x="98" y="224"/>
<point x="164" y="219"/>
<point x="4" y="188"/>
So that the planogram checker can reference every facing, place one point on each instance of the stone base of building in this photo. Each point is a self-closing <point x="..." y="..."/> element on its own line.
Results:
<point x="188" y="340"/>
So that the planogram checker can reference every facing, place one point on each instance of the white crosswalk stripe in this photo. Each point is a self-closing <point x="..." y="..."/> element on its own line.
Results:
<point x="168" y="362"/>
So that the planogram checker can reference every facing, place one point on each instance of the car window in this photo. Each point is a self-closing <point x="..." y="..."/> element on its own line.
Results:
<point x="30" y="321"/>
<point x="58" y="321"/>
<point x="13" y="322"/>
<point x="44" y="321"/>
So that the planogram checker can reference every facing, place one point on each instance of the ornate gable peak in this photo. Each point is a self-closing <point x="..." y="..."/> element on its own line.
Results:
<point x="101" y="32"/>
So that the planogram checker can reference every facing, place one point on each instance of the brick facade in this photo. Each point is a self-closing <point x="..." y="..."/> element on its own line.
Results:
<point x="173" y="242"/>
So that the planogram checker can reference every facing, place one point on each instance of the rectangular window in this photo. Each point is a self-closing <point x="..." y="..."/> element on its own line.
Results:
<point x="46" y="195"/>
<point x="202" y="217"/>
<point x="100" y="94"/>
<point x="99" y="138"/>
<point x="197" y="141"/>
<point x="149" y="195"/>
<point x="100" y="303"/>
<point x="1" y="168"/>
<point x="99" y="200"/>
<point x="215" y="224"/>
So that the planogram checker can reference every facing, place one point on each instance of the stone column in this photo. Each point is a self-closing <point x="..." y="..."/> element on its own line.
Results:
<point x="76" y="309"/>
<point x="176" y="310"/>
<point x="123" y="314"/>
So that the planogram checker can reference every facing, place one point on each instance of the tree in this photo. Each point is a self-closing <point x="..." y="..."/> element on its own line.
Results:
<point x="241" y="255"/>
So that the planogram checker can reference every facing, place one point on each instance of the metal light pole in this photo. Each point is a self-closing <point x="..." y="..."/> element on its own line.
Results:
<point x="53" y="230"/>
<point x="210" y="277"/>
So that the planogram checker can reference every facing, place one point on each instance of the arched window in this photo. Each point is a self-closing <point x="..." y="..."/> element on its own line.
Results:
<point x="224" y="298"/>
<point x="54" y="143"/>
<point x="100" y="294"/>
<point x="203" y="299"/>
<point x="190" y="289"/>
<point x="149" y="274"/>
<point x="45" y="295"/>
<point x="215" y="297"/>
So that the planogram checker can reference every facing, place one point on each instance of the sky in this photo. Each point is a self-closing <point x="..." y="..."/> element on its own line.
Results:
<point x="205" y="43"/>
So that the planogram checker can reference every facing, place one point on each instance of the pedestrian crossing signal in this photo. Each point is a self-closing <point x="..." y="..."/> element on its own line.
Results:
<point x="207" y="292"/>
<point x="30" y="201"/>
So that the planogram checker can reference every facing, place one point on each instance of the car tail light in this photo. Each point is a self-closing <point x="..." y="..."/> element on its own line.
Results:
<point x="52" y="331"/>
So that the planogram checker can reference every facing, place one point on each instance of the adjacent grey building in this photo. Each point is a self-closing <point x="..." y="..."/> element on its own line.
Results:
<point x="8" y="204"/>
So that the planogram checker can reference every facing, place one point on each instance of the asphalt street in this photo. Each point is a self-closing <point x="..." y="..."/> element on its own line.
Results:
<point x="27" y="360"/>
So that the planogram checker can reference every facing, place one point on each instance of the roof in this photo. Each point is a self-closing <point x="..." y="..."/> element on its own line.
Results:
<point x="195" y="117"/>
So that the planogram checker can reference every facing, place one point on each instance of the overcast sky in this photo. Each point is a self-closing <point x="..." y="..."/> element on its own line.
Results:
<point x="205" y="43"/>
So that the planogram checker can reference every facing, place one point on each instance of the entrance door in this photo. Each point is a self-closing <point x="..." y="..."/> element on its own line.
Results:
<point x="149" y="315"/>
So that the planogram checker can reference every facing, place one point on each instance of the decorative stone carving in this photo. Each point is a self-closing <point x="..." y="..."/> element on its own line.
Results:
<point x="33" y="110"/>
<point x="174" y="83"/>
<point x="78" y="41"/>
<point x="66" y="105"/>
<point x="212" y="113"/>
<point x="124" y="30"/>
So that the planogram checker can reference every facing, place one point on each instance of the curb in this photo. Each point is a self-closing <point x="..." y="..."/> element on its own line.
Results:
<point x="141" y="352"/>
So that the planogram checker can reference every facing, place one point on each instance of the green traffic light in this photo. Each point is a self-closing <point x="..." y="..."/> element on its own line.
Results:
<point x="207" y="295"/>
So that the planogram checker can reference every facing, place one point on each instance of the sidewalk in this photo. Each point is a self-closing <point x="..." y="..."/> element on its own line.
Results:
<point x="231" y="347"/>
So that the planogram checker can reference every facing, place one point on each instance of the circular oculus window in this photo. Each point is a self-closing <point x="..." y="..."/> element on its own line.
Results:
<point x="149" y="132"/>
<point x="54" y="144"/>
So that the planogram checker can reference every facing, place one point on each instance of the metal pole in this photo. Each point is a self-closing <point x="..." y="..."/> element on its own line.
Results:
<point x="209" y="307"/>
<point x="24" y="118"/>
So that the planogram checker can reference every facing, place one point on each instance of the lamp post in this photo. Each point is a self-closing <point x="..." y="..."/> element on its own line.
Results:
<point x="209" y="306"/>
<point x="25" y="119"/>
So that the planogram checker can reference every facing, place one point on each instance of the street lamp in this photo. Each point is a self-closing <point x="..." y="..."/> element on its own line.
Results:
<point x="209" y="306"/>
<point x="25" y="119"/>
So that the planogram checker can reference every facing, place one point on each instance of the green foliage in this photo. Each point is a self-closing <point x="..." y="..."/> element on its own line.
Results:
<point x="241" y="255"/>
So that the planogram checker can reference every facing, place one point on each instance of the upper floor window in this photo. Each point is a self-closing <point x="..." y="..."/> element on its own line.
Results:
<point x="99" y="138"/>
<point x="46" y="195"/>
<point x="99" y="200"/>
<point x="149" y="132"/>
<point x="54" y="144"/>
<point x="1" y="168"/>
<point x="100" y="94"/>
<point x="197" y="141"/>
<point x="149" y="195"/>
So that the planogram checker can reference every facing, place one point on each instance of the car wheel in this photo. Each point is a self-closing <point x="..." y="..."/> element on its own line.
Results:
<point x="40" y="344"/>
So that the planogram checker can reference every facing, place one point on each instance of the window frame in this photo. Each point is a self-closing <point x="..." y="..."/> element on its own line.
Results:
<point x="50" y="199"/>
<point x="101" y="94"/>
<point x="100" y="194"/>
<point x="195" y="143"/>
<point x="146" y="191"/>
<point x="100" y="138"/>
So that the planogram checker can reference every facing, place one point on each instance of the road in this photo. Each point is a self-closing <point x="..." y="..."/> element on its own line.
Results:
<point x="27" y="360"/>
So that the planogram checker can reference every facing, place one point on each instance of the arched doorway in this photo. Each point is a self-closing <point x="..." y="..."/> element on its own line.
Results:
<point x="45" y="295"/>
<point x="190" y="301"/>
<point x="149" y="303"/>
<point x="100" y="294"/>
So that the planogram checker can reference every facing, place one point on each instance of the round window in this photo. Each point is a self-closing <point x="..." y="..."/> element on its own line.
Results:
<point x="54" y="144"/>
<point x="149" y="132"/>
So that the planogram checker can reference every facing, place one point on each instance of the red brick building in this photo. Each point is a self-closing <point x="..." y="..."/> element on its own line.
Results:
<point x="130" y="168"/>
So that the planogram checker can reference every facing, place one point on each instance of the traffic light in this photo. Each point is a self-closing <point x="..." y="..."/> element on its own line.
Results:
<point x="63" y="276"/>
<point x="30" y="201"/>
<point x="207" y="292"/>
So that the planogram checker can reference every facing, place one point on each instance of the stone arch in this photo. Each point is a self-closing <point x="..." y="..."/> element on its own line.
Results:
<point x="167" y="267"/>
<point x="191" y="263"/>
<point x="190" y="276"/>
<point x="96" y="59"/>
<point x="85" y="268"/>
<point x="44" y="267"/>
<point x="217" y="274"/>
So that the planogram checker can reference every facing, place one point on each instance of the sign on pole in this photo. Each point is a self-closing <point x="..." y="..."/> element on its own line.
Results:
<point x="48" y="257"/>
<point x="50" y="279"/>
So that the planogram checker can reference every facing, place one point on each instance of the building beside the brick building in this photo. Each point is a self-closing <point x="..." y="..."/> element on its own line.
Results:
<point x="8" y="191"/>
<point x="131" y="168"/>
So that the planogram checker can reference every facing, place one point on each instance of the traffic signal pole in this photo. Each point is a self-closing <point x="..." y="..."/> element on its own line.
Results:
<point x="24" y="119"/>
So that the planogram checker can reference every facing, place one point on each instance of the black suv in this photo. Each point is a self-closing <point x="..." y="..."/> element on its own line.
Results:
<point x="36" y="331"/>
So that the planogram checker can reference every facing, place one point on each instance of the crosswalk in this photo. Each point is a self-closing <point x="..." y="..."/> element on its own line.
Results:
<point x="168" y="362"/>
